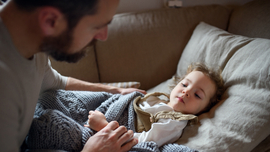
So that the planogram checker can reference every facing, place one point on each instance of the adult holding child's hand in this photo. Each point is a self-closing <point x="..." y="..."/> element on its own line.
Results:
<point x="112" y="138"/>
<point x="30" y="31"/>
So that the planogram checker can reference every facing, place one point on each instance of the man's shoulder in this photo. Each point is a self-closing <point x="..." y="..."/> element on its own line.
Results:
<point x="41" y="59"/>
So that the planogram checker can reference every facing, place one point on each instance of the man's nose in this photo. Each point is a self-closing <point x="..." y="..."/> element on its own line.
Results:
<point x="102" y="35"/>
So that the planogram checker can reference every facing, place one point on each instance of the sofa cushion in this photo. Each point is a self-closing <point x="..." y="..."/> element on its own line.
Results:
<point x="85" y="69"/>
<point x="124" y="84"/>
<point x="253" y="15"/>
<point x="145" y="46"/>
<point x="242" y="119"/>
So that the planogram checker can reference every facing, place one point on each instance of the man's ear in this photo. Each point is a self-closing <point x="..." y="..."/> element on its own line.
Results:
<point x="52" y="22"/>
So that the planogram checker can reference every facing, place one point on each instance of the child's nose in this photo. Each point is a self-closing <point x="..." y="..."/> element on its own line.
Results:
<point x="186" y="92"/>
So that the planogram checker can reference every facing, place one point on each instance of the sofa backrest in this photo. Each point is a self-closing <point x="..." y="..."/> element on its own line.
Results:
<point x="251" y="19"/>
<point x="147" y="46"/>
<point x="86" y="69"/>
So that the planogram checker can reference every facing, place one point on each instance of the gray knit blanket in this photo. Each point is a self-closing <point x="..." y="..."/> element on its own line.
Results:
<point x="60" y="115"/>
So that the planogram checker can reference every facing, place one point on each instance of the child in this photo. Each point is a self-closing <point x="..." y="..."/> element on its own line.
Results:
<point x="194" y="94"/>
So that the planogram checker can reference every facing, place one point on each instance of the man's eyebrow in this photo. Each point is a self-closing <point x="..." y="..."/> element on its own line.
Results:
<point x="199" y="87"/>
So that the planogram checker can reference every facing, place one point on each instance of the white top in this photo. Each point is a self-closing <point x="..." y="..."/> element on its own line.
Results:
<point x="165" y="130"/>
<point x="21" y="82"/>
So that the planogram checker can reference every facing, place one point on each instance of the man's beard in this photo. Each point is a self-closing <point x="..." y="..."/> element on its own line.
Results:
<point x="57" y="47"/>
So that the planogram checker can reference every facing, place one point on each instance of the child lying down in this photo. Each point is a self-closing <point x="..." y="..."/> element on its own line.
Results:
<point x="163" y="121"/>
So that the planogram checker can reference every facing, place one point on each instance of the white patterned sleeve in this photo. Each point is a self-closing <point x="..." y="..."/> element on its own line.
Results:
<point x="163" y="132"/>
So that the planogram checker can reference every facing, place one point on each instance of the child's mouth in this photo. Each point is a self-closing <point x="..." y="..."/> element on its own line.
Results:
<point x="180" y="99"/>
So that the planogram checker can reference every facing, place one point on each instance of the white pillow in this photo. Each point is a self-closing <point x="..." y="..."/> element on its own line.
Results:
<point x="242" y="120"/>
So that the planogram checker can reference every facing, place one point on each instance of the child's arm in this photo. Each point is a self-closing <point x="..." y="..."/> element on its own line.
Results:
<point x="96" y="120"/>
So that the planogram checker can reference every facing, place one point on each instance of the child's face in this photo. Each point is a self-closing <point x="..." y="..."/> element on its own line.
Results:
<point x="192" y="94"/>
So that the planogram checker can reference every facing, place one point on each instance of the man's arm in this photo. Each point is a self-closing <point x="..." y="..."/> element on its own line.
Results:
<point x="53" y="79"/>
<point x="75" y="84"/>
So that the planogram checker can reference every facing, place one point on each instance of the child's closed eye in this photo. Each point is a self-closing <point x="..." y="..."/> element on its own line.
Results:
<point x="196" y="95"/>
<point x="184" y="85"/>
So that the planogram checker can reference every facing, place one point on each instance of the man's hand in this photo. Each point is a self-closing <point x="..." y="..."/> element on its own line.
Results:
<point x="96" y="120"/>
<point x="111" y="138"/>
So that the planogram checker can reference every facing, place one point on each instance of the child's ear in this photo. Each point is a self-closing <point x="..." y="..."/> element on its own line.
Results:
<point x="52" y="22"/>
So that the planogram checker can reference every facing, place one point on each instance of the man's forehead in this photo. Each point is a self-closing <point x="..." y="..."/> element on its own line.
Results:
<point x="106" y="10"/>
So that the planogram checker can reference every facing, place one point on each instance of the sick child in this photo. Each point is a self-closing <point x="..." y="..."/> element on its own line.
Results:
<point x="163" y="121"/>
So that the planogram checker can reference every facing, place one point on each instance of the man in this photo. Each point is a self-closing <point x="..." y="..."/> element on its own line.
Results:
<point x="30" y="29"/>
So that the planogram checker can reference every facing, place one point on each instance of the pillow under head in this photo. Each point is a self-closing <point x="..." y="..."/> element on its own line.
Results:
<point x="242" y="120"/>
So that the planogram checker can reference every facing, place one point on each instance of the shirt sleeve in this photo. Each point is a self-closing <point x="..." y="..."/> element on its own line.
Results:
<point x="163" y="132"/>
<point x="53" y="79"/>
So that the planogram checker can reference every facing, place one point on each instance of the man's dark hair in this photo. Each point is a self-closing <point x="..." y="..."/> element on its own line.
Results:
<point x="73" y="10"/>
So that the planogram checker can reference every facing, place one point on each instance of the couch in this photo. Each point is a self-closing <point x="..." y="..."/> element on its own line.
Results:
<point x="153" y="47"/>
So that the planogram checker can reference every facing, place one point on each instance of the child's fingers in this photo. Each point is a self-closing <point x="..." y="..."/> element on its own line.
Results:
<point x="91" y="112"/>
<point x="86" y="126"/>
<point x="98" y="112"/>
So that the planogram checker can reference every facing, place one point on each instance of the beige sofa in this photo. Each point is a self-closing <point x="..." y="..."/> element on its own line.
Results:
<point x="154" y="46"/>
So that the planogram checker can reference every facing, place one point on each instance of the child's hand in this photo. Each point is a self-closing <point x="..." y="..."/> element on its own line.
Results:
<point x="96" y="120"/>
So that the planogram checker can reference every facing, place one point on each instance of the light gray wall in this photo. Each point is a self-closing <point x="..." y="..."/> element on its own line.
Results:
<point x="142" y="5"/>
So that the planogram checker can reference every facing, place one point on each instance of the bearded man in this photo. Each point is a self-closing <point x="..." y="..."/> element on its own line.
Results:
<point x="30" y="30"/>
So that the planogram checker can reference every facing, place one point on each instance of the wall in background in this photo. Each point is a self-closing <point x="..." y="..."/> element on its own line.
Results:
<point x="142" y="5"/>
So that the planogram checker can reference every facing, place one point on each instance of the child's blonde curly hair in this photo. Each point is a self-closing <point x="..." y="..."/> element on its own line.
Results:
<point x="214" y="75"/>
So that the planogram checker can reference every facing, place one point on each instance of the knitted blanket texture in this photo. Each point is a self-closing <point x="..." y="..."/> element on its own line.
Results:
<point x="60" y="115"/>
